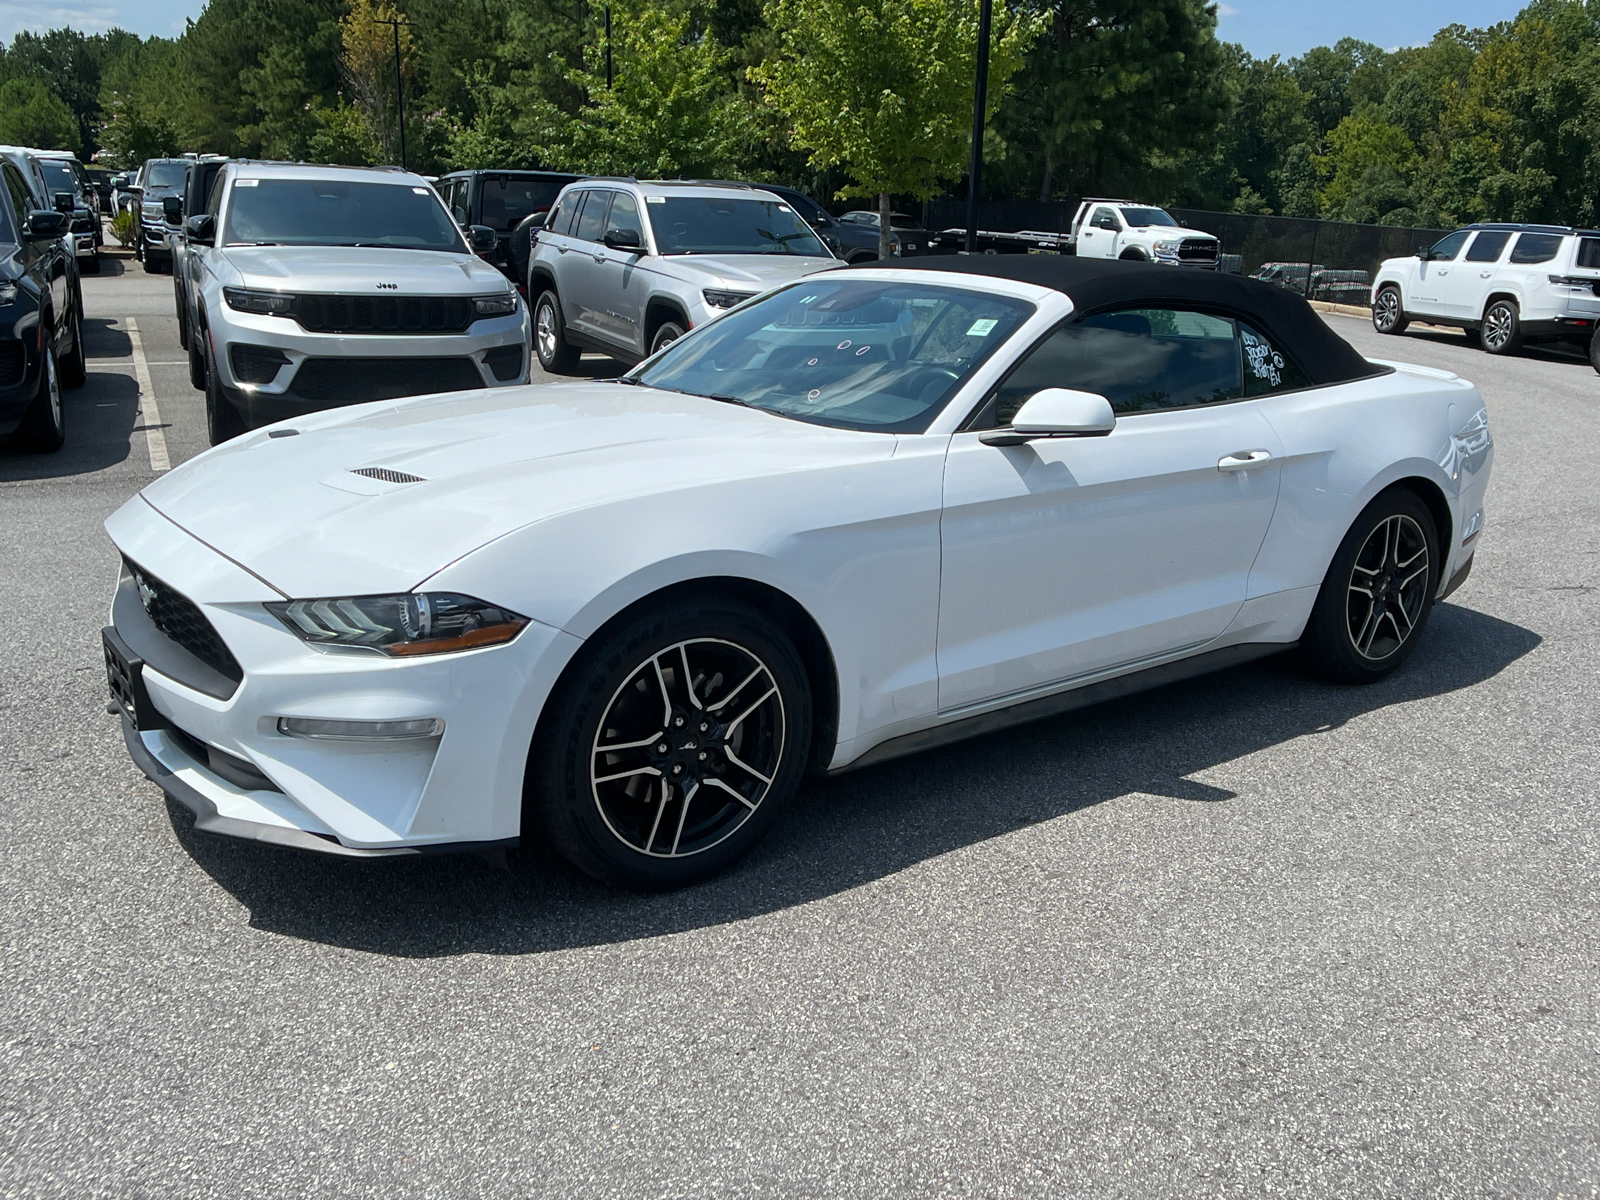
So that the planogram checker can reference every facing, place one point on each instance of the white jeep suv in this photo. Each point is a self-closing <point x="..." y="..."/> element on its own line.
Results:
<point x="323" y="286"/>
<point x="1506" y="285"/>
<point x="626" y="267"/>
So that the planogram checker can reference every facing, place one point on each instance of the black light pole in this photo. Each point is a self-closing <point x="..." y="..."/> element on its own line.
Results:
<point x="608" y="47"/>
<point x="400" y="82"/>
<point x="980" y="101"/>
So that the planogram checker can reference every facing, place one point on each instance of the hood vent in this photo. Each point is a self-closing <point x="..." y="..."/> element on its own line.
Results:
<point x="388" y="475"/>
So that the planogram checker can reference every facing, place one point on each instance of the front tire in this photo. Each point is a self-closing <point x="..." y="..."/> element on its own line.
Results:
<point x="1378" y="592"/>
<point x="92" y="267"/>
<point x="44" y="426"/>
<point x="1388" y="313"/>
<point x="671" y="745"/>
<point x="555" y="353"/>
<point x="1594" y="352"/>
<point x="669" y="332"/>
<point x="1501" y="331"/>
<point x="223" y="420"/>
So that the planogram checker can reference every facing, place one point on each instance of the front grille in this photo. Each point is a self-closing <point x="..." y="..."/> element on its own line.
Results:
<point x="1197" y="250"/>
<point x="13" y="361"/>
<point x="358" y="380"/>
<point x="177" y="616"/>
<point x="383" y="314"/>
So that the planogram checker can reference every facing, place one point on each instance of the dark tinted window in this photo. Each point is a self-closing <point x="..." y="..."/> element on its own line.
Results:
<point x="625" y="215"/>
<point x="17" y="191"/>
<point x="165" y="174"/>
<point x="1486" y="247"/>
<point x="58" y="175"/>
<point x="729" y="225"/>
<point x="325" y="212"/>
<point x="1588" y="253"/>
<point x="1446" y="248"/>
<point x="592" y="220"/>
<point x="805" y="206"/>
<point x="1145" y="217"/>
<point x="1536" y="247"/>
<point x="561" y="217"/>
<point x="507" y="200"/>
<point x="1140" y="359"/>
<point x="1266" y="368"/>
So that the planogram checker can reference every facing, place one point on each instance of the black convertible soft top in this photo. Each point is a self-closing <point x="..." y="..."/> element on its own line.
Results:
<point x="1098" y="284"/>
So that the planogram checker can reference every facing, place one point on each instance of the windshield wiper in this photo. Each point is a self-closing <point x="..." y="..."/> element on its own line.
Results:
<point x="720" y="398"/>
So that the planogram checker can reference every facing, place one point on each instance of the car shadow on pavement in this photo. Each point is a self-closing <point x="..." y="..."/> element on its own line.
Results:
<point x="100" y="417"/>
<point x="852" y="829"/>
<point x="1568" y="354"/>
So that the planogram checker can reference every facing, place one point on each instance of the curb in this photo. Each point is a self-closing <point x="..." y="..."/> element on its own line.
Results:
<point x="1348" y="310"/>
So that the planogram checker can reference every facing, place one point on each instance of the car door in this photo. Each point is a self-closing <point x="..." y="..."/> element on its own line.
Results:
<point x="581" y="271"/>
<point x="619" y="280"/>
<point x="1098" y="237"/>
<point x="1432" y="277"/>
<point x="1474" y="275"/>
<point x="1068" y="558"/>
<point x="34" y="255"/>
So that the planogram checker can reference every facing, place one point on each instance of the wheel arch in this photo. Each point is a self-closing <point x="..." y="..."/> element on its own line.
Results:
<point x="1134" y="254"/>
<point x="802" y="628"/>
<point x="658" y="311"/>
<point x="1498" y="294"/>
<point x="541" y="274"/>
<point x="1432" y="495"/>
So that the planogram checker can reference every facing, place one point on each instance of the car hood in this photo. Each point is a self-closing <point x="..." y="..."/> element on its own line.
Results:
<point x="760" y="271"/>
<point x="361" y="269"/>
<point x="293" y="511"/>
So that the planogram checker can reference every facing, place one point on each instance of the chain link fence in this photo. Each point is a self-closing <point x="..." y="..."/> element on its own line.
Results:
<point x="1327" y="260"/>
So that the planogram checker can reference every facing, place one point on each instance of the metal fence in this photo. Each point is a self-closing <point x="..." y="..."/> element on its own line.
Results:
<point x="1330" y="260"/>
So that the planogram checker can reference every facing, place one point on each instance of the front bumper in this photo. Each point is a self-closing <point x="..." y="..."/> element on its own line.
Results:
<point x="461" y="790"/>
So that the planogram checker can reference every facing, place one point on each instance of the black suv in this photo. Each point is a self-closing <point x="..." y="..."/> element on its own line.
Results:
<point x="158" y="179"/>
<point x="66" y="176"/>
<point x="512" y="203"/>
<point x="41" y="307"/>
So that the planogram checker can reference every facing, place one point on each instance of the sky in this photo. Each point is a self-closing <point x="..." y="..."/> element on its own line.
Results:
<point x="1282" y="27"/>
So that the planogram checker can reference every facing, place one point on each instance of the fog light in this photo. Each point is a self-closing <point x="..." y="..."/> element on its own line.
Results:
<point x="256" y="364"/>
<point x="361" y="731"/>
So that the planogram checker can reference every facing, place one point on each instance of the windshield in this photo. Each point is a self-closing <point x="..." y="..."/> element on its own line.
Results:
<point x="164" y="175"/>
<point x="58" y="175"/>
<point x="506" y="202"/>
<point x="321" y="212"/>
<point x="1138" y="217"/>
<point x="727" y="225"/>
<point x="852" y="353"/>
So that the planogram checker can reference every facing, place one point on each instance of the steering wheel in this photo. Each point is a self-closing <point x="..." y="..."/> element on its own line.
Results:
<point x="928" y="382"/>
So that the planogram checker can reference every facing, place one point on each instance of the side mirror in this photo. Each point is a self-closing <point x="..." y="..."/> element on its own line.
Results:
<point x="1055" y="413"/>
<point x="481" y="237"/>
<point x="623" y="239"/>
<point x="172" y="209"/>
<point x="64" y="202"/>
<point x="1425" y="253"/>
<point x="46" y="226"/>
<point x="202" y="230"/>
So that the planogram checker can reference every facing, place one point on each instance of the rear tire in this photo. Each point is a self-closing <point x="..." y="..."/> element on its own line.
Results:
<point x="1594" y="352"/>
<point x="1388" y="313"/>
<point x="92" y="267"/>
<point x="550" y="345"/>
<point x="74" y="368"/>
<point x="1378" y="592"/>
<point x="1501" y="331"/>
<point x="705" y="758"/>
<point x="197" y="361"/>
<point x="223" y="420"/>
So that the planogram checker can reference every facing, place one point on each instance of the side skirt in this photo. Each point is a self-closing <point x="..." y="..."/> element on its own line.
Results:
<point x="1060" y="702"/>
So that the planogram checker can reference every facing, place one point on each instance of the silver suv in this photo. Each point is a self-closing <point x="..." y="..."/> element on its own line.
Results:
<point x="626" y="267"/>
<point x="322" y="286"/>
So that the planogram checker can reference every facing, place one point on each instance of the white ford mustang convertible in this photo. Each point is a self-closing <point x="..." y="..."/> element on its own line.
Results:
<point x="871" y="512"/>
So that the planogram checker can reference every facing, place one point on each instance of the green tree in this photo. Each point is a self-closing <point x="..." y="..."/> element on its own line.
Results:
<point x="883" y="88"/>
<point x="33" y="115"/>
<point x="1339" y="79"/>
<point x="1369" y="170"/>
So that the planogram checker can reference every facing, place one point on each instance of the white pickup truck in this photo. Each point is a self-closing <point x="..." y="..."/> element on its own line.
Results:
<point x="1122" y="229"/>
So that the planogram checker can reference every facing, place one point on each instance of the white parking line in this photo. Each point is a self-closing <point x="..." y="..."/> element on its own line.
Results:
<point x="154" y="439"/>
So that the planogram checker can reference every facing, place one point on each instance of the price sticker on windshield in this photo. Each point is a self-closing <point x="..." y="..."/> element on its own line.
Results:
<point x="982" y="328"/>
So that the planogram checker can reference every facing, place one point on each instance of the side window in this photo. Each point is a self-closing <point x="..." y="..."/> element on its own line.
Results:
<point x="459" y="201"/>
<point x="1588" y="253"/>
<point x="1140" y="359"/>
<point x="1536" y="247"/>
<point x="1486" y="247"/>
<point x="566" y="212"/>
<point x="1266" y="368"/>
<point x="1446" y="248"/>
<point x="625" y="215"/>
<point x="591" y="225"/>
<point x="17" y="190"/>
<point x="214" y="200"/>
<point x="1104" y="218"/>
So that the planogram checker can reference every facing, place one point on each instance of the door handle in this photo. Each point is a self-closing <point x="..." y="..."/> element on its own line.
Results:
<point x="1485" y="274"/>
<point x="1243" y="460"/>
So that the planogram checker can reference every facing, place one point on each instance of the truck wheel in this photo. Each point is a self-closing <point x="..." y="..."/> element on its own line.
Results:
<point x="1388" y="314"/>
<point x="223" y="421"/>
<point x="1594" y="352"/>
<point x="1501" y="332"/>
<point x="555" y="353"/>
<point x="669" y="332"/>
<point x="44" y="426"/>
<point x="74" y="368"/>
<point x="1132" y="255"/>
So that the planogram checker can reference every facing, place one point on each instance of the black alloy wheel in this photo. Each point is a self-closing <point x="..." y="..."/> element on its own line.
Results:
<point x="1378" y="592"/>
<point x="555" y="353"/>
<point x="669" y="332"/>
<point x="44" y="428"/>
<point x="1501" y="332"/>
<point x="223" y="421"/>
<point x="1594" y="352"/>
<point x="671" y="745"/>
<point x="73" y="366"/>
<point x="1388" y="315"/>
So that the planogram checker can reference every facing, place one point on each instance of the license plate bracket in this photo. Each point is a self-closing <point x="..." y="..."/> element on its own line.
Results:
<point x="125" y="678"/>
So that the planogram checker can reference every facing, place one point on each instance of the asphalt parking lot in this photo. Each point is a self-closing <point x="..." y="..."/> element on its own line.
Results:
<point x="1251" y="935"/>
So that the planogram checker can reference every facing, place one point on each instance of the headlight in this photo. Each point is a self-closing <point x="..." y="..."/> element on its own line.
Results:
<point x="495" y="306"/>
<point x="1167" y="247"/>
<point x="717" y="298"/>
<point x="407" y="624"/>
<point x="8" y="293"/>
<point x="246" y="300"/>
